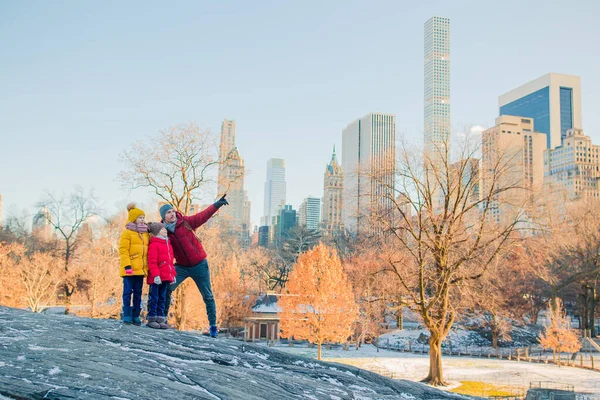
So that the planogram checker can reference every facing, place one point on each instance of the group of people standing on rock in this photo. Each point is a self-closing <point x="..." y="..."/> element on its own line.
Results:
<point x="166" y="253"/>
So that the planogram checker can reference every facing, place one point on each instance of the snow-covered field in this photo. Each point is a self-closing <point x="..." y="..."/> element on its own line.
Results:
<point x="414" y="367"/>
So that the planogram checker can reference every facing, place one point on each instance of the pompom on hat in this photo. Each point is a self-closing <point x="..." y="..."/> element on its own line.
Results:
<point x="134" y="212"/>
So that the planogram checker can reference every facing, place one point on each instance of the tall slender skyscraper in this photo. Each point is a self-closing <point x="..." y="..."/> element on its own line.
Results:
<point x="368" y="162"/>
<point x="275" y="189"/>
<point x="437" y="84"/>
<point x="232" y="172"/>
<point x="333" y="192"/>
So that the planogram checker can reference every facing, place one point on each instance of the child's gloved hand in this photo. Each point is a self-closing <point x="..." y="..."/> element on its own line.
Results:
<point x="173" y="281"/>
<point x="157" y="280"/>
<point x="128" y="270"/>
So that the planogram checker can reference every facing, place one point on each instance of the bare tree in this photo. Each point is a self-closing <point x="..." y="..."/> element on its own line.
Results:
<point x="267" y="267"/>
<point x="98" y="259"/>
<point x="299" y="240"/>
<point x="579" y="260"/>
<point x="369" y="278"/>
<point x="175" y="164"/>
<point x="565" y="254"/>
<point x="41" y="278"/>
<point x="441" y="230"/>
<point x="12" y="292"/>
<point x="66" y="214"/>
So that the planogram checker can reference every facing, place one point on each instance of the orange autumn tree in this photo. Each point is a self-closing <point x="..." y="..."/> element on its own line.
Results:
<point x="319" y="305"/>
<point x="233" y="294"/>
<point x="558" y="335"/>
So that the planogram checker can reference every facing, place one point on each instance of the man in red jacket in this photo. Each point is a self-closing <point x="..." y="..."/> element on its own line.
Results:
<point x="190" y="257"/>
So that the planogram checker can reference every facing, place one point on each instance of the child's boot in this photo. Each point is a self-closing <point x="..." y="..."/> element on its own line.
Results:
<point x="135" y="316"/>
<point x="126" y="314"/>
<point x="162" y="321"/>
<point x="152" y="323"/>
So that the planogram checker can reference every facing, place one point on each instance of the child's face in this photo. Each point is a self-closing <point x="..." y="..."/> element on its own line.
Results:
<point x="163" y="232"/>
<point x="140" y="220"/>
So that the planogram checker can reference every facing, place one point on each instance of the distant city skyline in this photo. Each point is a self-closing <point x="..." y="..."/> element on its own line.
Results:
<point x="80" y="84"/>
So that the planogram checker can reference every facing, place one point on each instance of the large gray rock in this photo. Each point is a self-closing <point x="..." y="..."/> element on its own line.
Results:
<point x="66" y="357"/>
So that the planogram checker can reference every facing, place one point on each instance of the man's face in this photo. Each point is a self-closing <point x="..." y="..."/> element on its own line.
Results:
<point x="170" y="216"/>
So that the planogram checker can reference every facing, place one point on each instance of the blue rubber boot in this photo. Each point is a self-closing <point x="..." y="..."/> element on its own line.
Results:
<point x="135" y="316"/>
<point x="126" y="315"/>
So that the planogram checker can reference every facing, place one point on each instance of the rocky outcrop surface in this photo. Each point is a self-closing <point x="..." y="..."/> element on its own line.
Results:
<point x="66" y="357"/>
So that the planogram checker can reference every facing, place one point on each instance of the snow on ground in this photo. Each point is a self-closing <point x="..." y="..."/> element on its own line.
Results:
<point x="459" y="338"/>
<point x="414" y="367"/>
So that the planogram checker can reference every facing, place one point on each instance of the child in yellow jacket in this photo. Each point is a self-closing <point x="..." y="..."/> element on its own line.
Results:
<point x="133" y="250"/>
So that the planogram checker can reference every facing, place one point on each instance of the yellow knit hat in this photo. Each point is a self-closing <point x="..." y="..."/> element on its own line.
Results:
<point x="134" y="213"/>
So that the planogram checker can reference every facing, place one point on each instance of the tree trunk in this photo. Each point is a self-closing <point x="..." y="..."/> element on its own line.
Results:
<point x="399" y="319"/>
<point x="181" y="306"/>
<point x="583" y="324"/>
<point x="435" y="377"/>
<point x="319" y="351"/>
<point x="68" y="293"/>
<point x="93" y="308"/>
<point x="495" y="337"/>
<point x="592" y="311"/>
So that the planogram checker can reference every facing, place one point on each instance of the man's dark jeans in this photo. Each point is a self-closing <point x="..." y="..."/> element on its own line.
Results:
<point x="201" y="276"/>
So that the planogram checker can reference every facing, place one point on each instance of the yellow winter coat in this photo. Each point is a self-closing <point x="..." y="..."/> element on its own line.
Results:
<point x="133" y="249"/>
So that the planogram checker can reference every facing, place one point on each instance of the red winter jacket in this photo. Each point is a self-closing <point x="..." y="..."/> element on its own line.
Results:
<point x="160" y="260"/>
<point x="186" y="246"/>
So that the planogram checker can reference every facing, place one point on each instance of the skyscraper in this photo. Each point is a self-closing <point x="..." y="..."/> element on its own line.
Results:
<point x="574" y="167"/>
<point x="368" y="162"/>
<point x="553" y="101"/>
<point x="437" y="84"/>
<point x="310" y="213"/>
<point x="333" y="192"/>
<point x="286" y="220"/>
<point x="512" y="156"/>
<point x="275" y="188"/>
<point x="41" y="224"/>
<point x="263" y="236"/>
<point x="232" y="172"/>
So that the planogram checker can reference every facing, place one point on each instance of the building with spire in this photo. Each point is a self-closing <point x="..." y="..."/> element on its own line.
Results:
<point x="333" y="194"/>
<point x="236" y="216"/>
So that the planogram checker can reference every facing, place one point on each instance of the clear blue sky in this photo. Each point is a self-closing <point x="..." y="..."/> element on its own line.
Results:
<point x="82" y="80"/>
